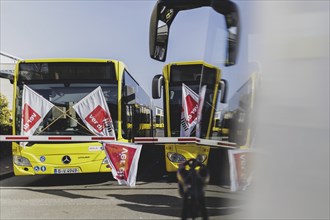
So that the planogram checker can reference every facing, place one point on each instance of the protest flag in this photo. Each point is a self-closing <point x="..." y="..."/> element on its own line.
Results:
<point x="94" y="112"/>
<point x="123" y="160"/>
<point x="240" y="168"/>
<point x="35" y="108"/>
<point x="189" y="111"/>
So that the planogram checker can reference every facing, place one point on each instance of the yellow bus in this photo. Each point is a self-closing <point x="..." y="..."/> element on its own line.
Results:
<point x="159" y="118"/>
<point x="216" y="129"/>
<point x="236" y="126"/>
<point x="64" y="82"/>
<point x="238" y="121"/>
<point x="194" y="74"/>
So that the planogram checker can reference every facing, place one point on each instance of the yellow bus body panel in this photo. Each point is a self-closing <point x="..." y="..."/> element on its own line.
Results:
<point x="189" y="151"/>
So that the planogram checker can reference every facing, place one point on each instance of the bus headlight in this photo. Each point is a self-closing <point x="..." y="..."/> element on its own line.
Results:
<point x="175" y="157"/>
<point x="21" y="161"/>
<point x="201" y="158"/>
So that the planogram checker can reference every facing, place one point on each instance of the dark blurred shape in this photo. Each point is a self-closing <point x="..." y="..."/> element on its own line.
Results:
<point x="165" y="11"/>
<point x="192" y="178"/>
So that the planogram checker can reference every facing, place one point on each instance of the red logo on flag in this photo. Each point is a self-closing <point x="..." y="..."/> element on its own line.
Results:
<point x="242" y="167"/>
<point x="121" y="157"/>
<point x="192" y="107"/>
<point x="98" y="118"/>
<point x="30" y="117"/>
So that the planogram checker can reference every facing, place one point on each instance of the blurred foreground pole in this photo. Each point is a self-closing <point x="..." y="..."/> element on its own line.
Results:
<point x="292" y="176"/>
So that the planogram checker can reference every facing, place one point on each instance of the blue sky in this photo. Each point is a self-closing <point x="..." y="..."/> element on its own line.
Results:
<point x="115" y="30"/>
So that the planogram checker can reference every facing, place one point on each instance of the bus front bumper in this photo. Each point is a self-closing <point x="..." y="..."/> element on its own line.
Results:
<point x="26" y="167"/>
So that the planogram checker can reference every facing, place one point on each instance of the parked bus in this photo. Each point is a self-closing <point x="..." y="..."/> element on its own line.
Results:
<point x="159" y="118"/>
<point x="194" y="74"/>
<point x="64" y="82"/>
<point x="216" y="128"/>
<point x="238" y="120"/>
<point x="237" y="126"/>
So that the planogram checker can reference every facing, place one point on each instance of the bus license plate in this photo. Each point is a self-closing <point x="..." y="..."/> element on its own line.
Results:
<point x="66" y="170"/>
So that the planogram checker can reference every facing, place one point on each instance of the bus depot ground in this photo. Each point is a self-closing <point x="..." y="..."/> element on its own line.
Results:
<point x="164" y="201"/>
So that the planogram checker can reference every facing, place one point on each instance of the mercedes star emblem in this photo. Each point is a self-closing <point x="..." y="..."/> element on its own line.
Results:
<point x="66" y="159"/>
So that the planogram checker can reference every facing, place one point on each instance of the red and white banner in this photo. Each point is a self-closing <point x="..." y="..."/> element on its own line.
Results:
<point x="123" y="160"/>
<point x="189" y="111"/>
<point x="240" y="163"/>
<point x="35" y="108"/>
<point x="94" y="112"/>
<point x="199" y="111"/>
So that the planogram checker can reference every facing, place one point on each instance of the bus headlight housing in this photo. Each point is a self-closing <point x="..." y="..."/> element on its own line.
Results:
<point x="21" y="161"/>
<point x="201" y="158"/>
<point x="175" y="157"/>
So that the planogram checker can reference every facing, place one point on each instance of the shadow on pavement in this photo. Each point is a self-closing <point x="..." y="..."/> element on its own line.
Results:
<point x="63" y="193"/>
<point x="171" y="205"/>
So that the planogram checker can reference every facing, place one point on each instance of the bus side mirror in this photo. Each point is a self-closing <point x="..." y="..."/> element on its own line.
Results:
<point x="223" y="91"/>
<point x="165" y="11"/>
<point x="6" y="75"/>
<point x="157" y="83"/>
<point x="230" y="11"/>
<point x="161" y="19"/>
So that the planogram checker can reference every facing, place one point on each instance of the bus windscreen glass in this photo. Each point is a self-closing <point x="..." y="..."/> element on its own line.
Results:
<point x="64" y="96"/>
<point x="193" y="76"/>
<point x="66" y="71"/>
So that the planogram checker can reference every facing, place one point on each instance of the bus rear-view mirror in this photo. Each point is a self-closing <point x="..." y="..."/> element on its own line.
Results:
<point x="157" y="83"/>
<point x="161" y="19"/>
<point x="8" y="76"/>
<point x="223" y="91"/>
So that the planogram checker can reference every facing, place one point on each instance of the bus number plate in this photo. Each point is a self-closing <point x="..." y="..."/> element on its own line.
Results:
<point x="66" y="170"/>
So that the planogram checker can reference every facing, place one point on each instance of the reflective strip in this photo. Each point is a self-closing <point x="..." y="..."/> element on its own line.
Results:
<point x="11" y="138"/>
<point x="181" y="140"/>
<point x="59" y="138"/>
<point x="15" y="138"/>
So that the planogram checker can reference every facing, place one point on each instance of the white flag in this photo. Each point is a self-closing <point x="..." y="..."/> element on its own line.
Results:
<point x="35" y="108"/>
<point x="199" y="111"/>
<point x="123" y="160"/>
<point x="94" y="112"/>
<point x="189" y="111"/>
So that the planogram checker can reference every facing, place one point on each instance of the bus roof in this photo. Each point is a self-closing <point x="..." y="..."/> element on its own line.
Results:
<point x="67" y="60"/>
<point x="201" y="62"/>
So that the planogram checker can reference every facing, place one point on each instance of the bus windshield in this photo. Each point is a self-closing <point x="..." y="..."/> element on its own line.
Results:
<point x="62" y="119"/>
<point x="64" y="84"/>
<point x="194" y="76"/>
<point x="64" y="96"/>
<point x="60" y="71"/>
